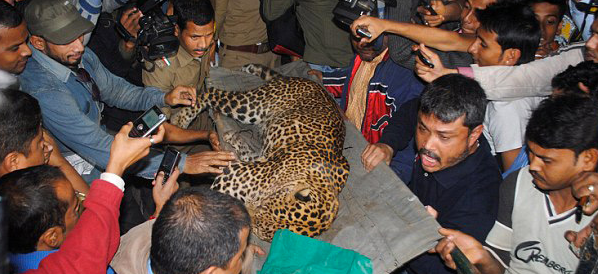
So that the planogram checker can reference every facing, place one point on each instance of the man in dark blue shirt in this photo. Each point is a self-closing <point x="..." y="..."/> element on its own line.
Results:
<point x="454" y="173"/>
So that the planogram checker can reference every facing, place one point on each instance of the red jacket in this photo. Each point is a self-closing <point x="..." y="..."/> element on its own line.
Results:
<point x="90" y="246"/>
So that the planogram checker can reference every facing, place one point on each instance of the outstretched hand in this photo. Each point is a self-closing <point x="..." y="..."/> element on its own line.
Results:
<point x="180" y="95"/>
<point x="127" y="150"/>
<point x="375" y="26"/>
<point x="425" y="72"/>
<point x="208" y="162"/>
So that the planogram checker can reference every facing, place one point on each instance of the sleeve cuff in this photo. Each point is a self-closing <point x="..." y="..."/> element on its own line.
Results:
<point x="113" y="179"/>
<point x="466" y="71"/>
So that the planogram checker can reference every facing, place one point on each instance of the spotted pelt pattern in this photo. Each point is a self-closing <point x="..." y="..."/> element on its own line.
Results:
<point x="295" y="182"/>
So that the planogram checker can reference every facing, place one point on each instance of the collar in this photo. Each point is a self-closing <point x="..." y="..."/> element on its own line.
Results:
<point x="59" y="70"/>
<point x="149" y="266"/>
<point x="27" y="261"/>
<point x="184" y="58"/>
<point x="453" y="175"/>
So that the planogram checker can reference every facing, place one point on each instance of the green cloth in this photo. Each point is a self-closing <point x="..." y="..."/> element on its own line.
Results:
<point x="297" y="254"/>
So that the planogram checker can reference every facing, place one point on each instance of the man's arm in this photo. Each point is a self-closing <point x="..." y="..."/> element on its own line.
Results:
<point x="433" y="37"/>
<point x="56" y="159"/>
<point x="508" y="83"/>
<point x="93" y="241"/>
<point x="116" y="91"/>
<point x="527" y="80"/>
<point x="84" y="136"/>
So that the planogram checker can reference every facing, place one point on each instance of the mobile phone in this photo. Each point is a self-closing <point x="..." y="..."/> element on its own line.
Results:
<point x="363" y="32"/>
<point x="148" y="122"/>
<point x="428" y="7"/>
<point x="424" y="59"/>
<point x="169" y="162"/>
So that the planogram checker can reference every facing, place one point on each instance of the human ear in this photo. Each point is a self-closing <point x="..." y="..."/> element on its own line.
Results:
<point x="51" y="239"/>
<point x="474" y="135"/>
<point x="210" y="270"/>
<point x="589" y="159"/>
<point x="511" y="56"/>
<point x="10" y="163"/>
<point x="38" y="43"/>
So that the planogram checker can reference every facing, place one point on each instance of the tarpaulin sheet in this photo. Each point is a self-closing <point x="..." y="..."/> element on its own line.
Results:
<point x="379" y="217"/>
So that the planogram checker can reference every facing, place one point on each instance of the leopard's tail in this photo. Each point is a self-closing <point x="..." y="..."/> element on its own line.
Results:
<point x="263" y="72"/>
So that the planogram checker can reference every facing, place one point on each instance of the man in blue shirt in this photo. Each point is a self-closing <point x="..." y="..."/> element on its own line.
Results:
<point x="454" y="173"/>
<point x="72" y="86"/>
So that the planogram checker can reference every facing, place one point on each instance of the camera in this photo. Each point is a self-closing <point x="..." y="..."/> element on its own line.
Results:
<point x="169" y="162"/>
<point x="156" y="38"/>
<point x="147" y="123"/>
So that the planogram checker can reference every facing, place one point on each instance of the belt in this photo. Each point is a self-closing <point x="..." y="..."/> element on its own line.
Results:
<point x="257" y="49"/>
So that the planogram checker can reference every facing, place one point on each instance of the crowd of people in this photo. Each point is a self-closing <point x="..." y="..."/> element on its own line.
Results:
<point x="486" y="109"/>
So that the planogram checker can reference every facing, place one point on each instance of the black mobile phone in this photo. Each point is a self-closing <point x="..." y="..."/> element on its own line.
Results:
<point x="421" y="57"/>
<point x="169" y="162"/>
<point x="428" y="7"/>
<point x="148" y="122"/>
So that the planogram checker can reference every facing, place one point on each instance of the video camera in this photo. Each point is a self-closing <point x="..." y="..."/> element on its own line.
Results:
<point x="155" y="38"/>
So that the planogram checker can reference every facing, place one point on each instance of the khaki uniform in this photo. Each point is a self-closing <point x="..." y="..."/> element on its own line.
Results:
<point x="241" y="29"/>
<point x="182" y="70"/>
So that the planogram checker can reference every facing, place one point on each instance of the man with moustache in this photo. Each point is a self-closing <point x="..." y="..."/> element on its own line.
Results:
<point x="454" y="175"/>
<point x="191" y="65"/>
<point x="72" y="87"/>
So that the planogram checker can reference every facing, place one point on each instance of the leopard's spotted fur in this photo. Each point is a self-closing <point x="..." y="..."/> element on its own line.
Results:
<point x="295" y="182"/>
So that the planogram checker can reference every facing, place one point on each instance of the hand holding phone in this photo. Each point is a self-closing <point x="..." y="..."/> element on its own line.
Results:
<point x="169" y="162"/>
<point x="148" y="122"/>
<point x="425" y="60"/>
<point x="363" y="32"/>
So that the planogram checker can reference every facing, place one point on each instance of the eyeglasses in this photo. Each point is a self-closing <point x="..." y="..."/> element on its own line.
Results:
<point x="84" y="77"/>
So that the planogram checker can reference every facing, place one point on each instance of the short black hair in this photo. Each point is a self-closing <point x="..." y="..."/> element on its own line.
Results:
<point x="196" y="229"/>
<point x="10" y="17"/>
<point x="516" y="27"/>
<point x="568" y="81"/>
<point x="20" y="121"/>
<point x="32" y="205"/>
<point x="452" y="96"/>
<point x="200" y="12"/>
<point x="561" y="4"/>
<point x="565" y="122"/>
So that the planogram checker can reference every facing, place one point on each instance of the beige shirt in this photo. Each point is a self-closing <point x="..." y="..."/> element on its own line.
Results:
<point x="238" y="22"/>
<point x="181" y="69"/>
<point x="134" y="250"/>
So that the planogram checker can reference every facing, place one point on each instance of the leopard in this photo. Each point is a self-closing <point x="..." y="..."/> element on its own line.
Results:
<point x="295" y="180"/>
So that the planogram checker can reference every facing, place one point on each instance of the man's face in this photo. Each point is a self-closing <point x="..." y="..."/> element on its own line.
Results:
<point x="235" y="264"/>
<point x="69" y="55"/>
<point x="552" y="169"/>
<point x="66" y="193"/>
<point x="485" y="51"/>
<point x="14" y="51"/>
<point x="442" y="145"/>
<point x="39" y="152"/>
<point x="469" y="22"/>
<point x="592" y="44"/>
<point x="366" y="51"/>
<point x="197" y="40"/>
<point x="548" y="16"/>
